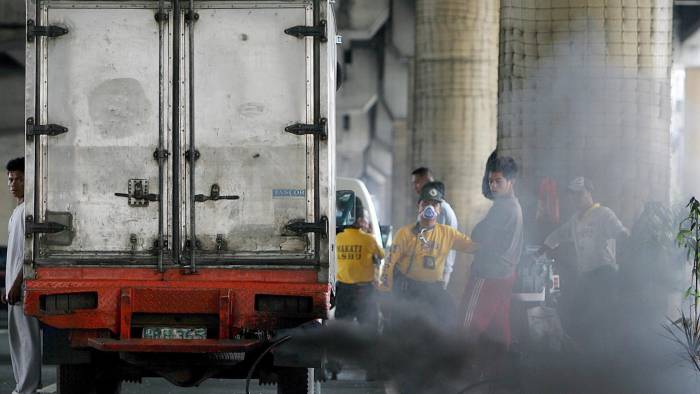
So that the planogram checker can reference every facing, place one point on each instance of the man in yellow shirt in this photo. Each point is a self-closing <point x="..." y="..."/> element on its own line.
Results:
<point x="357" y="254"/>
<point x="416" y="263"/>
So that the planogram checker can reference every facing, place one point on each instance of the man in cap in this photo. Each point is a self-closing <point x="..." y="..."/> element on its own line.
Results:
<point x="419" y="177"/>
<point x="593" y="230"/>
<point x="416" y="264"/>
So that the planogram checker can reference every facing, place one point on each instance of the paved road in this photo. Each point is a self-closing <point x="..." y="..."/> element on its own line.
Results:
<point x="347" y="384"/>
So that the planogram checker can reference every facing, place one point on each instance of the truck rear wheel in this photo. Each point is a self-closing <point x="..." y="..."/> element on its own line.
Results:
<point x="74" y="379"/>
<point x="108" y="386"/>
<point x="295" y="381"/>
<point x="83" y="379"/>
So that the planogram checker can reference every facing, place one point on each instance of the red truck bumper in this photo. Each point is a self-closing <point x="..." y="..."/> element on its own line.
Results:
<point x="125" y="293"/>
<point x="173" y="346"/>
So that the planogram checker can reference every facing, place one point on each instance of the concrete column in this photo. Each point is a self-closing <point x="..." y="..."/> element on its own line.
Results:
<point x="401" y="193"/>
<point x="584" y="89"/>
<point x="691" y="136"/>
<point x="455" y="98"/>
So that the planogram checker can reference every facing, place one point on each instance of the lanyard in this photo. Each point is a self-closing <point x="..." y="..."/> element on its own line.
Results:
<point x="419" y="240"/>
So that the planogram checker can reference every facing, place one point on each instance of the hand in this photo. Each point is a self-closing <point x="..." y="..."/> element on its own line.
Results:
<point x="542" y="250"/>
<point x="3" y="297"/>
<point x="383" y="283"/>
<point x="15" y="294"/>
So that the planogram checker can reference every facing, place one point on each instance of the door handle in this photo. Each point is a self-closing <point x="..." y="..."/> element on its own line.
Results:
<point x="214" y="195"/>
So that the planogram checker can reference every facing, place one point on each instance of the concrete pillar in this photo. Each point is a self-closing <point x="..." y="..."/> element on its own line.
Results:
<point x="584" y="89"/>
<point x="455" y="98"/>
<point x="401" y="191"/>
<point x="691" y="136"/>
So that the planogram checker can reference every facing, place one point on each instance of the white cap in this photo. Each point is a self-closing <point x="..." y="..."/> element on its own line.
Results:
<point x="580" y="184"/>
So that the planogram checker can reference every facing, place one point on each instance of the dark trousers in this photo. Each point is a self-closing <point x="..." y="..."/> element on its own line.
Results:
<point x="592" y="308"/>
<point x="356" y="301"/>
<point x="436" y="301"/>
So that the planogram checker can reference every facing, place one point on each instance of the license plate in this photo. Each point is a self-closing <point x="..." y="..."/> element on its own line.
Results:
<point x="174" y="333"/>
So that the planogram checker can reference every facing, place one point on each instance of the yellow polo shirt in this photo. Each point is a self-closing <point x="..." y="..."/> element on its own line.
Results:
<point x="421" y="256"/>
<point x="354" y="253"/>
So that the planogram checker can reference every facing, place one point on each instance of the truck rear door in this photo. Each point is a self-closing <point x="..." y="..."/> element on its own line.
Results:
<point x="180" y="136"/>
<point x="101" y="85"/>
<point x="250" y="81"/>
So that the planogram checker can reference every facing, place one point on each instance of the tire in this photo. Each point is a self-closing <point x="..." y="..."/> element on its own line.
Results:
<point x="82" y="379"/>
<point x="74" y="379"/>
<point x="294" y="381"/>
<point x="108" y="386"/>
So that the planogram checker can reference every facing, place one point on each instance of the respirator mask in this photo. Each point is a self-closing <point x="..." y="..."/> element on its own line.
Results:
<point x="429" y="213"/>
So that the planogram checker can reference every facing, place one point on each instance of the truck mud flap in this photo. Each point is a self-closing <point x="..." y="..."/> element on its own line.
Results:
<point x="56" y="348"/>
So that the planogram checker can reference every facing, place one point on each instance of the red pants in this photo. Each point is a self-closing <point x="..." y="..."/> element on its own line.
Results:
<point x="485" y="309"/>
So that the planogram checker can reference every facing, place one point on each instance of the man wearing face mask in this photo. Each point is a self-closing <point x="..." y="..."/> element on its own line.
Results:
<point x="485" y="306"/>
<point x="419" y="178"/>
<point x="416" y="264"/>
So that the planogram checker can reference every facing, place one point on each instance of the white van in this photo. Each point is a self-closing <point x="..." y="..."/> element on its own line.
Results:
<point x="358" y="187"/>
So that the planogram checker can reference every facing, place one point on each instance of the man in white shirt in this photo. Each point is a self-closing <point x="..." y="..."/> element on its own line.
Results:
<point x="593" y="230"/>
<point x="23" y="330"/>
<point x="419" y="178"/>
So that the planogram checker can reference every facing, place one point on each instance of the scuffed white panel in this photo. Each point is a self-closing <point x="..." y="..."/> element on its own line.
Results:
<point x="109" y="103"/>
<point x="251" y="81"/>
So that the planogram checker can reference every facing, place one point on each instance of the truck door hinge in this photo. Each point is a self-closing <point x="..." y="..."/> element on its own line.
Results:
<point x="32" y="227"/>
<point x="319" y="129"/>
<point x="161" y="154"/>
<point x="188" y="154"/>
<point x="309" y="31"/>
<point x="301" y="227"/>
<point x="161" y="16"/>
<point x="191" y="16"/>
<point x="47" y="129"/>
<point x="46" y="31"/>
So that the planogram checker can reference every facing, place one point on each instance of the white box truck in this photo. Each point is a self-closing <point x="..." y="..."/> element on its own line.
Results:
<point x="180" y="197"/>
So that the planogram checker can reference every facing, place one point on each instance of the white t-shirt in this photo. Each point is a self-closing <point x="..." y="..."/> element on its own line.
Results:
<point x="15" y="247"/>
<point x="593" y="234"/>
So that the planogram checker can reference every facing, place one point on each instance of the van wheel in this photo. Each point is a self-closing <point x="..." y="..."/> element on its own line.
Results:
<point x="295" y="381"/>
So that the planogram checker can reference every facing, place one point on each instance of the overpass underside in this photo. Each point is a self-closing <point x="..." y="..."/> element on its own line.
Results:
<point x="568" y="88"/>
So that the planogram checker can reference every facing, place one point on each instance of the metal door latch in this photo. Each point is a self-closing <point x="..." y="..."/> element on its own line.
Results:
<point x="138" y="194"/>
<point x="300" y="227"/>
<point x="46" y="31"/>
<point x="220" y="242"/>
<point x="309" y="31"/>
<point x="47" y="129"/>
<point x="319" y="129"/>
<point x="214" y="195"/>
